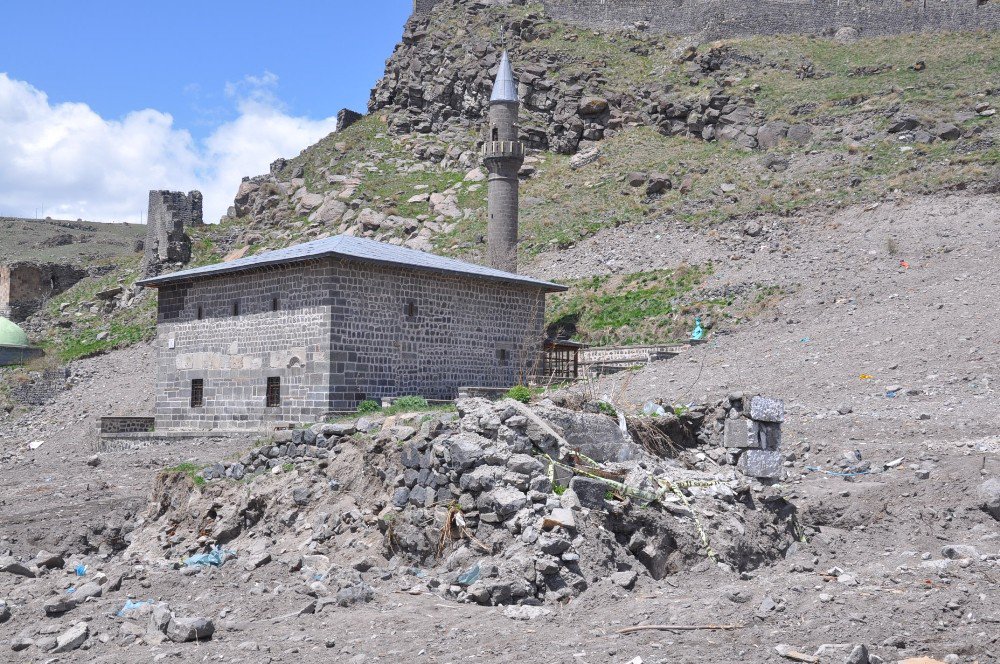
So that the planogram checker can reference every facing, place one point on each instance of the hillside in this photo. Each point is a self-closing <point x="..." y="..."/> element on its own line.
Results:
<point x="630" y="130"/>
<point x="66" y="242"/>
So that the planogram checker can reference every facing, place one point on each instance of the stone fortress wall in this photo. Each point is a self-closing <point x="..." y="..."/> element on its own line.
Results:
<point x="25" y="286"/>
<point x="725" y="18"/>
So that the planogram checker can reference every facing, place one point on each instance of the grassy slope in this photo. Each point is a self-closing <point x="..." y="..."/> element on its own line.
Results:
<point x="91" y="241"/>
<point x="562" y="204"/>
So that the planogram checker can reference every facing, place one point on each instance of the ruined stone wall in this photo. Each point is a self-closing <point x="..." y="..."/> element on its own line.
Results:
<point x="463" y="332"/>
<point x="24" y="287"/>
<point x="343" y="332"/>
<point x="722" y="18"/>
<point x="235" y="354"/>
<point x="170" y="212"/>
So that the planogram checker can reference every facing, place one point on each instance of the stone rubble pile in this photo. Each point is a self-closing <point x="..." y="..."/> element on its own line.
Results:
<point x="320" y="441"/>
<point x="535" y="540"/>
<point x="500" y="504"/>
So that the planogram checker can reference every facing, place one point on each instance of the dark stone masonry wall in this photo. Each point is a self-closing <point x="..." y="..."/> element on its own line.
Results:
<point x="725" y="18"/>
<point x="235" y="355"/>
<point x="343" y="332"/>
<point x="463" y="332"/>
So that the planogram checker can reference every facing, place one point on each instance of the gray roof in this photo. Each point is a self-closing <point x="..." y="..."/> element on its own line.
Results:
<point x="504" y="88"/>
<point x="352" y="248"/>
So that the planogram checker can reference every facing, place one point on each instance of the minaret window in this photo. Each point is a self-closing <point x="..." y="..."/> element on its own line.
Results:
<point x="496" y="134"/>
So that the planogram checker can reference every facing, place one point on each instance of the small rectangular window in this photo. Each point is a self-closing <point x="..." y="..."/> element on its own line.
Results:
<point x="201" y="313"/>
<point x="197" y="393"/>
<point x="273" y="392"/>
<point x="502" y="356"/>
<point x="410" y="310"/>
<point x="236" y="308"/>
<point x="275" y="305"/>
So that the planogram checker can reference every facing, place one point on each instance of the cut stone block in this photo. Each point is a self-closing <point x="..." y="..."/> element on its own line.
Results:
<point x="766" y="409"/>
<point x="761" y="464"/>
<point x="740" y="433"/>
<point x="767" y="435"/>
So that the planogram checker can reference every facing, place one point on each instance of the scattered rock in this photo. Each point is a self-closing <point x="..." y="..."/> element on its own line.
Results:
<point x="625" y="579"/>
<point x="182" y="630"/>
<point x="72" y="638"/>
<point x="10" y="565"/>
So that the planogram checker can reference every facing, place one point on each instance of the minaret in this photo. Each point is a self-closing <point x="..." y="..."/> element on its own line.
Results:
<point x="503" y="155"/>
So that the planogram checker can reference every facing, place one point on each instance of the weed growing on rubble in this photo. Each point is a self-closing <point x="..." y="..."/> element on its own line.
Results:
<point x="559" y="489"/>
<point x="192" y="470"/>
<point x="369" y="406"/>
<point x="520" y="393"/>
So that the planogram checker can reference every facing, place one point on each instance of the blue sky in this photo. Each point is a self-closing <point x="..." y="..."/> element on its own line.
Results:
<point x="100" y="101"/>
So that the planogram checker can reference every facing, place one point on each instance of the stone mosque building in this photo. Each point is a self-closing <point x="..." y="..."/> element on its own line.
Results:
<point x="296" y="334"/>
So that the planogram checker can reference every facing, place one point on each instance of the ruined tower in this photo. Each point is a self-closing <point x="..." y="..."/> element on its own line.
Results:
<point x="503" y="155"/>
<point x="170" y="212"/>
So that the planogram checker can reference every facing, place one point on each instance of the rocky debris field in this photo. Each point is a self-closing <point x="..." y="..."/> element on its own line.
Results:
<point x="882" y="531"/>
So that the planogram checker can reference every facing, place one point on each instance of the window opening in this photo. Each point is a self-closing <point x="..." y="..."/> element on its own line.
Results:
<point x="273" y="392"/>
<point x="197" y="393"/>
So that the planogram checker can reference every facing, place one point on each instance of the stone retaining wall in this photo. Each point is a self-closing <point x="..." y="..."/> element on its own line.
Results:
<point x="720" y="18"/>
<point x="112" y="425"/>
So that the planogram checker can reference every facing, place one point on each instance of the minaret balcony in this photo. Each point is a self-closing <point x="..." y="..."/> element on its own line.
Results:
<point x="503" y="149"/>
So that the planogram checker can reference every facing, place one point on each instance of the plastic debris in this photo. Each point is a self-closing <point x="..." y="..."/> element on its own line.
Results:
<point x="81" y="570"/>
<point x="470" y="577"/>
<point x="817" y="469"/>
<point x="132" y="605"/>
<point x="699" y="333"/>
<point x="35" y="444"/>
<point x="891" y="394"/>
<point x="904" y="265"/>
<point x="866" y="376"/>
<point x="214" y="558"/>
<point x="651" y="409"/>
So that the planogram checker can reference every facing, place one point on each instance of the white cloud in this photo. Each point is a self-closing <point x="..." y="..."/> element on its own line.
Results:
<point x="67" y="161"/>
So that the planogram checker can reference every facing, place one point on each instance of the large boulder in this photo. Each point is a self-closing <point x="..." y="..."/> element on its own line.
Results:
<point x="329" y="212"/>
<point x="594" y="435"/>
<point x="593" y="106"/>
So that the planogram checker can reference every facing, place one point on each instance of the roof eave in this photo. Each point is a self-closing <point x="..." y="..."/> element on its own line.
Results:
<point x="170" y="279"/>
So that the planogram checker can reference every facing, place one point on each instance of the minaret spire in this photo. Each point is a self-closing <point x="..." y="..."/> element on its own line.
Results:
<point x="503" y="155"/>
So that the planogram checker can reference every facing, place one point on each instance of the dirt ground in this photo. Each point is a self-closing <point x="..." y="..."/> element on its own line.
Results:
<point x="881" y="569"/>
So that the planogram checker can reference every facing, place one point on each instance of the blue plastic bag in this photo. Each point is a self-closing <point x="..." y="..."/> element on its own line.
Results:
<point x="214" y="558"/>
<point x="470" y="577"/>
<point x="699" y="333"/>
<point x="132" y="605"/>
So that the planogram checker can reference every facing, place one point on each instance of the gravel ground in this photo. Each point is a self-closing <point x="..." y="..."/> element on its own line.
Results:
<point x="879" y="572"/>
